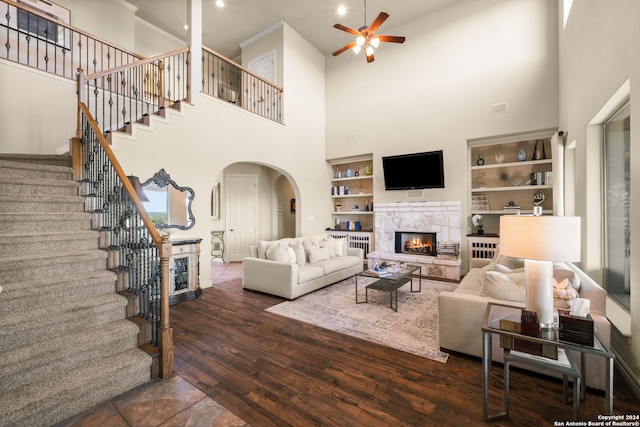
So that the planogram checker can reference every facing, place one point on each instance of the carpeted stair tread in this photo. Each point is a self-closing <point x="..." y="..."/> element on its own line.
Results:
<point x="43" y="360"/>
<point x="12" y="223"/>
<point x="20" y="269"/>
<point x="24" y="296"/>
<point x="11" y="185"/>
<point x="28" y="327"/>
<point x="38" y="159"/>
<point x="13" y="169"/>
<point x="46" y="403"/>
<point x="16" y="245"/>
<point x="30" y="203"/>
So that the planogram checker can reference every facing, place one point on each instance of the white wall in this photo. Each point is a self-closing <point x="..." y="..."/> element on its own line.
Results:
<point x="434" y="91"/>
<point x="39" y="115"/>
<point x="598" y="53"/>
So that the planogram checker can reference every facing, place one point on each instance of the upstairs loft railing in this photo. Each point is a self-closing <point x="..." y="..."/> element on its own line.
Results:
<point x="34" y="39"/>
<point x="224" y="79"/>
<point x="137" y="250"/>
<point x="123" y="95"/>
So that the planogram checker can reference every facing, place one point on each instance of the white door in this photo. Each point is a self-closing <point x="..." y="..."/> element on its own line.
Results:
<point x="242" y="214"/>
<point x="264" y="66"/>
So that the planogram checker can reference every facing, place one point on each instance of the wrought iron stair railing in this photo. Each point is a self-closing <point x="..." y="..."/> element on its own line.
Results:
<point x="142" y="254"/>
<point x="32" y="38"/>
<point x="224" y="79"/>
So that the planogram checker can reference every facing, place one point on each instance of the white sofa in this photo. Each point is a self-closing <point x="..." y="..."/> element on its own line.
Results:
<point x="290" y="268"/>
<point x="461" y="312"/>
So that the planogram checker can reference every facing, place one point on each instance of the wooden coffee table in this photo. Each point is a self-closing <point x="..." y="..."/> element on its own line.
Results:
<point x="390" y="284"/>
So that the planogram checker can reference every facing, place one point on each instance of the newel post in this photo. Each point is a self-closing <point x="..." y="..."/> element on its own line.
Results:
<point x="166" y="331"/>
<point x="76" y="142"/>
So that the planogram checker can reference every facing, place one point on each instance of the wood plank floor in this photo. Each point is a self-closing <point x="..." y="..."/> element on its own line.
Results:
<point x="274" y="371"/>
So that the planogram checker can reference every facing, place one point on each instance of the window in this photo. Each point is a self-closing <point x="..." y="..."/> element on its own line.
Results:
<point x="616" y="216"/>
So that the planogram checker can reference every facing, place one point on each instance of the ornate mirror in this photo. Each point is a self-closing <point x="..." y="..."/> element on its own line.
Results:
<point x="169" y="205"/>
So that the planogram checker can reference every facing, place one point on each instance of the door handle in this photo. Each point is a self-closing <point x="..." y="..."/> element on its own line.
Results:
<point x="231" y="229"/>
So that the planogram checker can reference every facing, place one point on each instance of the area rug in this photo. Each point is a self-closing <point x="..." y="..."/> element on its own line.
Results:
<point x="414" y="328"/>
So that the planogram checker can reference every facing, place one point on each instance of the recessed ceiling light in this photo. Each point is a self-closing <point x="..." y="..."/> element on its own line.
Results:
<point x="220" y="3"/>
<point x="342" y="10"/>
<point x="186" y="27"/>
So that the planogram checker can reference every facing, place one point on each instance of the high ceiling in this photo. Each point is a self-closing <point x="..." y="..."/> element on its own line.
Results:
<point x="224" y="29"/>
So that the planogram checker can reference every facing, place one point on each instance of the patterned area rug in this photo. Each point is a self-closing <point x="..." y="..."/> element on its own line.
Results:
<point x="414" y="328"/>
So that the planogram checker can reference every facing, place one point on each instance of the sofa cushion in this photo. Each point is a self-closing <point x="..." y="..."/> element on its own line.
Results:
<point x="309" y="246"/>
<point x="298" y="249"/>
<point x="509" y="287"/>
<point x="319" y="254"/>
<point x="330" y="265"/>
<point x="349" y="260"/>
<point x="280" y="251"/>
<point x="309" y="272"/>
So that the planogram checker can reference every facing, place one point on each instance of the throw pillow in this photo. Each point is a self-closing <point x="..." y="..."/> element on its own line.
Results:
<point x="509" y="287"/>
<point x="510" y="262"/>
<point x="331" y="247"/>
<point x="278" y="251"/>
<point x="263" y="245"/>
<point x="561" y="271"/>
<point x="309" y="246"/>
<point x="563" y="294"/>
<point x="340" y="245"/>
<point x="298" y="249"/>
<point x="319" y="254"/>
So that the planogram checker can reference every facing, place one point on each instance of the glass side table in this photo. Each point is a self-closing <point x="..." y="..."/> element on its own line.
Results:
<point x="491" y="325"/>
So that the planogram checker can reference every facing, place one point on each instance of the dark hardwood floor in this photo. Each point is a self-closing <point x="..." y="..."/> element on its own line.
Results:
<point x="274" y="371"/>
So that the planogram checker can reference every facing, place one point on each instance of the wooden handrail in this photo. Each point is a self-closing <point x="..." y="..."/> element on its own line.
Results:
<point x="235" y="64"/>
<point x="137" y="64"/>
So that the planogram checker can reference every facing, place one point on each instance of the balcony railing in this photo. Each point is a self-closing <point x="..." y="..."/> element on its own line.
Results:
<point x="224" y="79"/>
<point x="121" y="96"/>
<point x="32" y="38"/>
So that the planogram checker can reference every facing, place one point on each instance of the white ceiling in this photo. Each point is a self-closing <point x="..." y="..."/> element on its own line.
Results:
<point x="224" y="29"/>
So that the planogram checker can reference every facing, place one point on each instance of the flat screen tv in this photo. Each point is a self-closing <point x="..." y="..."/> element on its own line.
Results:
<point x="413" y="171"/>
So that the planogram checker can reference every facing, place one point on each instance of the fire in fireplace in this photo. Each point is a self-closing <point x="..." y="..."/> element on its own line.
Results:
<point x="415" y="243"/>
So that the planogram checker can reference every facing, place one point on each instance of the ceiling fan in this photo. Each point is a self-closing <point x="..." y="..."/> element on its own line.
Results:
<point x="366" y="36"/>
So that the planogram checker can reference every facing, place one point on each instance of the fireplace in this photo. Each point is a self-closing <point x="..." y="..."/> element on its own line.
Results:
<point x="415" y="243"/>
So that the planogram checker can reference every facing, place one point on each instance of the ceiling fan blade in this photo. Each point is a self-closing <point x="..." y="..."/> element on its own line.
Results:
<point x="370" y="58"/>
<point x="343" y="48"/>
<point x="347" y="29"/>
<point x="379" y="21"/>
<point x="392" y="39"/>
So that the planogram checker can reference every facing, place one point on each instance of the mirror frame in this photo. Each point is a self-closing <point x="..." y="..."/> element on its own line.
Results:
<point x="162" y="179"/>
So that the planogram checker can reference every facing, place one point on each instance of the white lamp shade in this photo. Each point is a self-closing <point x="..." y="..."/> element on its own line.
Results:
<point x="543" y="238"/>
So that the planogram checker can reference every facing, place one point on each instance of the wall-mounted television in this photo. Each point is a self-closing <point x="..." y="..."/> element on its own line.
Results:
<point x="413" y="171"/>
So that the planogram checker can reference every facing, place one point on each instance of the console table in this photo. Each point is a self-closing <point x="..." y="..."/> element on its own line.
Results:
<point x="184" y="269"/>
<point x="491" y="325"/>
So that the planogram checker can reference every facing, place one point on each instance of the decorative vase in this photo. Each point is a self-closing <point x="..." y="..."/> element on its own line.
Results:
<point x="480" y="231"/>
<point x="522" y="156"/>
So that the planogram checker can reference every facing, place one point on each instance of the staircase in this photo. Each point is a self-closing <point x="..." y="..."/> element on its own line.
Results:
<point x="65" y="341"/>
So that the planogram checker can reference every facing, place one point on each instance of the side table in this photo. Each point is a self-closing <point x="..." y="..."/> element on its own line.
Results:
<point x="491" y="325"/>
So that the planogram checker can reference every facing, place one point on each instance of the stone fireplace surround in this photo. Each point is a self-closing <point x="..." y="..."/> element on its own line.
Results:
<point x="442" y="218"/>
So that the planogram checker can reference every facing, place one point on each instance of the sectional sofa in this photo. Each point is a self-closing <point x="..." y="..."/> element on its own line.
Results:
<point x="461" y="312"/>
<point x="292" y="267"/>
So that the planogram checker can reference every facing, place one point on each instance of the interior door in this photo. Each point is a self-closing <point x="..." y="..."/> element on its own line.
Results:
<point x="242" y="214"/>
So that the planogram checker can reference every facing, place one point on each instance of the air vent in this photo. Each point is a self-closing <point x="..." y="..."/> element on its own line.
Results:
<point x="415" y="194"/>
<point x="500" y="108"/>
<point x="350" y="137"/>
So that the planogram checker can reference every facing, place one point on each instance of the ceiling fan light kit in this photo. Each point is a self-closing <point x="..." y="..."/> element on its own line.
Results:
<point x="366" y="36"/>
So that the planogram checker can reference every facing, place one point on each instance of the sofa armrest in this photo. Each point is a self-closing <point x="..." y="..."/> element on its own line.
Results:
<point x="359" y="252"/>
<point x="272" y="277"/>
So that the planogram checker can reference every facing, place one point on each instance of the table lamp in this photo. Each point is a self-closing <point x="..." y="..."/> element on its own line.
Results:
<point x="540" y="240"/>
